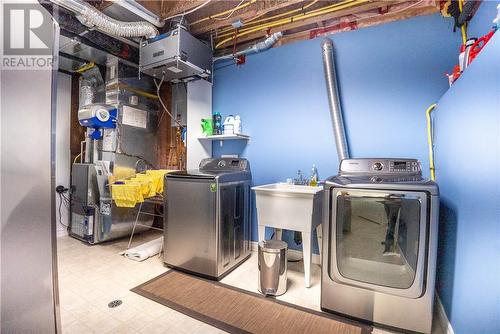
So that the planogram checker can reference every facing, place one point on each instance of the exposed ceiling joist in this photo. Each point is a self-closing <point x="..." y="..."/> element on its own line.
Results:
<point x="369" y="12"/>
<point x="320" y="18"/>
<point x="298" y="19"/>
<point x="258" y="9"/>
<point x="361" y="23"/>
<point x="171" y="8"/>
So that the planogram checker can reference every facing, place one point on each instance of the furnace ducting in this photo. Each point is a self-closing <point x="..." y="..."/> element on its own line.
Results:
<point x="91" y="17"/>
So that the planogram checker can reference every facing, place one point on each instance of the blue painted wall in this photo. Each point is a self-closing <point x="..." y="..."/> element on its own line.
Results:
<point x="467" y="138"/>
<point x="388" y="75"/>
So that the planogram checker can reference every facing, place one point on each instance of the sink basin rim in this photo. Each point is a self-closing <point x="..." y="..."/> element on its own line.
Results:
<point x="286" y="188"/>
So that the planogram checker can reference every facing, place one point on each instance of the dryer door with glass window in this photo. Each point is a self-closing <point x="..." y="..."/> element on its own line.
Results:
<point x="377" y="240"/>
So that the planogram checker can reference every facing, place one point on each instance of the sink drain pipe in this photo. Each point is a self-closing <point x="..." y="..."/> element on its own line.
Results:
<point x="334" y="99"/>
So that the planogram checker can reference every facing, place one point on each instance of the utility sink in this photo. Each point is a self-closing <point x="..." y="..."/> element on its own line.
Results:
<point x="288" y="206"/>
<point x="285" y="206"/>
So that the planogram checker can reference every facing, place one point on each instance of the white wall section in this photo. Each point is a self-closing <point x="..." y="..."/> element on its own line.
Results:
<point x="199" y="105"/>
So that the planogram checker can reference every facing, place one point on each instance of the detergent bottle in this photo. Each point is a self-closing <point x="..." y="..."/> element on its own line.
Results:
<point x="314" y="177"/>
<point x="229" y="125"/>
<point x="237" y="124"/>
<point x="217" y="125"/>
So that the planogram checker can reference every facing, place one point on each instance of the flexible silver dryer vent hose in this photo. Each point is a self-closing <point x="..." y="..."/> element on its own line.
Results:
<point x="91" y="17"/>
<point x="334" y="99"/>
<point x="262" y="46"/>
<point x="257" y="47"/>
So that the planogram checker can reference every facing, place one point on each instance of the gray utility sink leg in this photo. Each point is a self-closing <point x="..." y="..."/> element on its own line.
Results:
<point x="307" y="253"/>
<point x="262" y="233"/>
<point x="278" y="233"/>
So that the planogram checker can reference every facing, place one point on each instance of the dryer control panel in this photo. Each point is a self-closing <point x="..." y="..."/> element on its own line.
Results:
<point x="380" y="166"/>
<point x="224" y="164"/>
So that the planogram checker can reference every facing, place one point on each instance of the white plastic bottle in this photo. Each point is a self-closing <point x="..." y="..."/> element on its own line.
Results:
<point x="237" y="124"/>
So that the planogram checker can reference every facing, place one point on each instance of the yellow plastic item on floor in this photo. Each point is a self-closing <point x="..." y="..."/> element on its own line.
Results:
<point x="127" y="195"/>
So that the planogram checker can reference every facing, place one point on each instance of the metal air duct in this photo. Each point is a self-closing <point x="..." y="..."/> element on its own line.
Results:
<point x="91" y="17"/>
<point x="256" y="48"/>
<point x="334" y="99"/>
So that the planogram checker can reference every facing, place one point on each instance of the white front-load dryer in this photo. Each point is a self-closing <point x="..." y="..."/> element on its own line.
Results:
<point x="380" y="229"/>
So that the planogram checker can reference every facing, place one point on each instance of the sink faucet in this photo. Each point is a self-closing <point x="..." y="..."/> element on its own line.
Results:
<point x="300" y="180"/>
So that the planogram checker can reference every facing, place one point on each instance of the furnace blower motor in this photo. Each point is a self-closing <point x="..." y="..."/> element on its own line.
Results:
<point x="98" y="117"/>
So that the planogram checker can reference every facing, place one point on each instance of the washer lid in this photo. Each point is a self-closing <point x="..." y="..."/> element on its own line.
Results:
<point x="219" y="176"/>
<point x="193" y="173"/>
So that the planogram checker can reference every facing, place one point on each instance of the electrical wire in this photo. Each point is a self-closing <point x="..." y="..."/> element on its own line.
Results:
<point x="231" y="13"/>
<point x="252" y="25"/>
<point x="165" y="110"/>
<point x="188" y="12"/>
<point x="76" y="158"/>
<point x="254" y="21"/>
<point x="295" y="18"/>
<point x="59" y="209"/>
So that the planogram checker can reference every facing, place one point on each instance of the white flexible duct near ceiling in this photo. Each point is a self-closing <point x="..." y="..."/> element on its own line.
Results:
<point x="91" y="17"/>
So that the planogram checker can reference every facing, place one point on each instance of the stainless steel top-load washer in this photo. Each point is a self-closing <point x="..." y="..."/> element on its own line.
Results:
<point x="380" y="233"/>
<point x="207" y="221"/>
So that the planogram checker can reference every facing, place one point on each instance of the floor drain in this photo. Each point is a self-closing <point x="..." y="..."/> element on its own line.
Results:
<point x="115" y="303"/>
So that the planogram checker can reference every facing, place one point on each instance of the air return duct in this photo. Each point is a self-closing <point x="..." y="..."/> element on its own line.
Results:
<point x="334" y="99"/>
<point x="91" y="17"/>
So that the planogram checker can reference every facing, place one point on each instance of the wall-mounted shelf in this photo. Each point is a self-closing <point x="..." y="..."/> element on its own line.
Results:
<point x="221" y="138"/>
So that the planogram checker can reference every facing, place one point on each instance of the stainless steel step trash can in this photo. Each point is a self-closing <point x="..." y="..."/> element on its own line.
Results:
<point x="272" y="267"/>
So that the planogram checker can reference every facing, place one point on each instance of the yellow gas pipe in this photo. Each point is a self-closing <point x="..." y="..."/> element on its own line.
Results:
<point x="429" y="140"/>
<point x="463" y="28"/>
<point x="299" y="17"/>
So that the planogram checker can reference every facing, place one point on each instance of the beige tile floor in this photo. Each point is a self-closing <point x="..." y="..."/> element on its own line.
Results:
<point x="92" y="276"/>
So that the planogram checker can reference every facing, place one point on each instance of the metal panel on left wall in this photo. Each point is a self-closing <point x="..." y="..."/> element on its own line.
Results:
<point x="29" y="302"/>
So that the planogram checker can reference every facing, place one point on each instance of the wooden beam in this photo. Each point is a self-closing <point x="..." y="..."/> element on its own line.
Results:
<point x="176" y="7"/>
<point x="76" y="132"/>
<point x="259" y="8"/>
<point x="369" y="22"/>
<point x="165" y="128"/>
<point x="153" y="6"/>
<point x="336" y="14"/>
